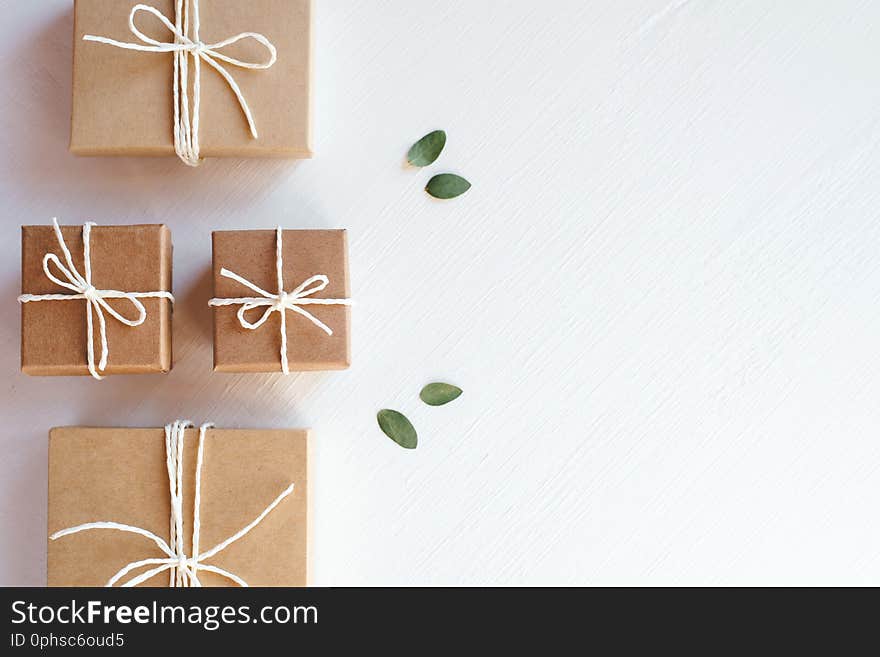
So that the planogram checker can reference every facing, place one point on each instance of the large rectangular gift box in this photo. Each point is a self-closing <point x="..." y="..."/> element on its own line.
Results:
<point x="124" y="99"/>
<point x="103" y="479"/>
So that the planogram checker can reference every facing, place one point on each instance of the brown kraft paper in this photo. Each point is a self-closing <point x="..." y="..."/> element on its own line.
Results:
<point x="126" y="258"/>
<point x="119" y="475"/>
<point x="123" y="99"/>
<point x="251" y="255"/>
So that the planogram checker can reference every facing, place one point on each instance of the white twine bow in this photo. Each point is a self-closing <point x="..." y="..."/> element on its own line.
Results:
<point x="184" y="570"/>
<point x="280" y="302"/>
<point x="186" y="128"/>
<point x="96" y="300"/>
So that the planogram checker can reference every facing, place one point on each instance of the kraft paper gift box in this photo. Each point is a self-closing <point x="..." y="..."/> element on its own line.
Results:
<point x="306" y="255"/>
<point x="54" y="332"/>
<point x="120" y="475"/>
<point x="123" y="100"/>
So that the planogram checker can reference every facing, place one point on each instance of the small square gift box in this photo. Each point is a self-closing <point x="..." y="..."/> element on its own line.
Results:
<point x="195" y="78"/>
<point x="178" y="507"/>
<point x="281" y="300"/>
<point x="95" y="300"/>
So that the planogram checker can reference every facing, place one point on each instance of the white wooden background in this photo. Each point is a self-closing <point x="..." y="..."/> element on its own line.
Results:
<point x="661" y="296"/>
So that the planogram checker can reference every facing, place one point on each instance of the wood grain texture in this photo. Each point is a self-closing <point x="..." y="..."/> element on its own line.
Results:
<point x="660" y="296"/>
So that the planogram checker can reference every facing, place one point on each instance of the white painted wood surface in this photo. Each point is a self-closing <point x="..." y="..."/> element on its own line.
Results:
<point x="660" y="296"/>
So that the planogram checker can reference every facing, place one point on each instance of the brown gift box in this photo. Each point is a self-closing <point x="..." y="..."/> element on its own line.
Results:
<point x="251" y="255"/>
<point x="125" y="258"/>
<point x="123" y="100"/>
<point x="119" y="475"/>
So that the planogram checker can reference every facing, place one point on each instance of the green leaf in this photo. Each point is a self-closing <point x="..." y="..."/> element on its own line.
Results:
<point x="397" y="427"/>
<point x="437" y="394"/>
<point x="427" y="149"/>
<point x="447" y="185"/>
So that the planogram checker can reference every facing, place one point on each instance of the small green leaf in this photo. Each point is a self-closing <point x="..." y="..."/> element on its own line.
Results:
<point x="437" y="394"/>
<point x="397" y="427"/>
<point x="447" y="185"/>
<point x="427" y="149"/>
